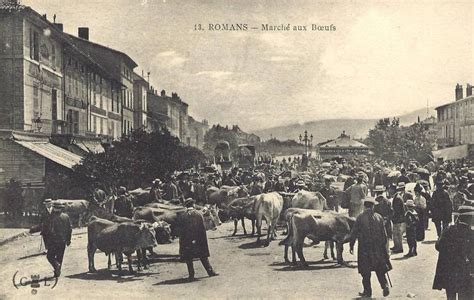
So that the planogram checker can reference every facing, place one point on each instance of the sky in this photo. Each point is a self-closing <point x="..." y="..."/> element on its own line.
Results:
<point x="385" y="58"/>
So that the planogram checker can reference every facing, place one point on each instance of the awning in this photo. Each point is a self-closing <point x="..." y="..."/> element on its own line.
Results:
<point x="451" y="153"/>
<point x="52" y="152"/>
<point x="92" y="146"/>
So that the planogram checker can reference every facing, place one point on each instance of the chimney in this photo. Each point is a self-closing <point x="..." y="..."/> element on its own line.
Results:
<point x="468" y="90"/>
<point x="459" y="92"/>
<point x="83" y="32"/>
<point x="163" y="93"/>
<point x="59" y="26"/>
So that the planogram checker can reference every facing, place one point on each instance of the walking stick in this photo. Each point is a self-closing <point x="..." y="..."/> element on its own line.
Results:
<point x="388" y="276"/>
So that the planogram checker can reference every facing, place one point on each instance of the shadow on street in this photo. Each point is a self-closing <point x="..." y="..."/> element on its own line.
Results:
<point x="175" y="281"/>
<point x="109" y="275"/>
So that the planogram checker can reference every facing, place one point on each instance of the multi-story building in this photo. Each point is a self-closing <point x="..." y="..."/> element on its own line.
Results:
<point x="31" y="95"/>
<point x="140" y="96"/>
<point x="456" y="125"/>
<point x="120" y="66"/>
<point x="197" y="130"/>
<point x="170" y="112"/>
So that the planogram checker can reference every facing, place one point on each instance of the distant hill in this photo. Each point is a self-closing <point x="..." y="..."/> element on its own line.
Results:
<point x="323" y="130"/>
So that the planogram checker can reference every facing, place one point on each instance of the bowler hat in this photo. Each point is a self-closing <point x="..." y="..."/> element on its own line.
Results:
<point x="410" y="203"/>
<point x="401" y="186"/>
<point x="189" y="202"/>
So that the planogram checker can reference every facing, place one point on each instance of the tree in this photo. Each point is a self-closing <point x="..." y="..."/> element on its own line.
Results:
<point x="136" y="160"/>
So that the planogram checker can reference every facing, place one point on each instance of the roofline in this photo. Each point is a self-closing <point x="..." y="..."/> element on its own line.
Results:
<point x="471" y="97"/>
<point x="124" y="55"/>
<point x="65" y="38"/>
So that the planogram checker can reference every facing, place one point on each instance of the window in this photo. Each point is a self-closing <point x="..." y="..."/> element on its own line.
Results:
<point x="34" y="45"/>
<point x="53" y="55"/>
<point x="36" y="107"/>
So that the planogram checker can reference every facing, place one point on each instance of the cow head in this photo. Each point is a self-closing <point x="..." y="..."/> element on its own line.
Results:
<point x="162" y="232"/>
<point x="211" y="220"/>
<point x="146" y="236"/>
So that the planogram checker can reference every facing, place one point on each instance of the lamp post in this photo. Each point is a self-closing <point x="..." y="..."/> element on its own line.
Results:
<point x="308" y="141"/>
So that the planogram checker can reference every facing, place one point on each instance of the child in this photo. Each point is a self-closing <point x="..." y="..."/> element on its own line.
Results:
<point x="411" y="220"/>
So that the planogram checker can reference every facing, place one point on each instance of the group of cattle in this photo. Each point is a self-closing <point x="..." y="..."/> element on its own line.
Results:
<point x="157" y="223"/>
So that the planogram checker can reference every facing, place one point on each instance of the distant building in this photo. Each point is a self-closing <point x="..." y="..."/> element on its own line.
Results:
<point x="343" y="146"/>
<point x="140" y="97"/>
<point x="197" y="130"/>
<point x="170" y="112"/>
<point x="456" y="126"/>
<point x="244" y="137"/>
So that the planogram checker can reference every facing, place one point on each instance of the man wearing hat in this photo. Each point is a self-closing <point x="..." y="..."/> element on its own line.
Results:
<point x="45" y="213"/>
<point x="357" y="192"/>
<point x="398" y="218"/>
<point x="56" y="231"/>
<point x="384" y="208"/>
<point x="441" y="207"/>
<point x="123" y="206"/>
<point x="193" y="239"/>
<point x="456" y="258"/>
<point x="155" y="192"/>
<point x="411" y="220"/>
<point x="329" y="193"/>
<point x="372" y="252"/>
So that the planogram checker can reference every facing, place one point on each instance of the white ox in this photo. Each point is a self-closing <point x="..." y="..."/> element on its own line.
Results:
<point x="268" y="206"/>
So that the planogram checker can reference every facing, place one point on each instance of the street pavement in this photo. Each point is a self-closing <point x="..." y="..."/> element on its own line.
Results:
<point x="246" y="271"/>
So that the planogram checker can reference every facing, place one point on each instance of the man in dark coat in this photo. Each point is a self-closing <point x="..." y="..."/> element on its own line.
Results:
<point x="372" y="252"/>
<point x="193" y="239"/>
<point x="456" y="258"/>
<point x="329" y="194"/>
<point x="398" y="218"/>
<point x="155" y="192"/>
<point x="384" y="208"/>
<point x="441" y="208"/>
<point x="56" y="230"/>
<point x="123" y="206"/>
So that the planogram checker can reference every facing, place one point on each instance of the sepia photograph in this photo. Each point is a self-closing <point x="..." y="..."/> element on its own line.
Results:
<point x="236" y="149"/>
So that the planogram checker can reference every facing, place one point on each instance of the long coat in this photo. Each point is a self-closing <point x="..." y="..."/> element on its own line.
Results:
<point x="455" y="248"/>
<point x="384" y="208"/>
<point x="55" y="228"/>
<point x="372" y="252"/>
<point x="398" y="209"/>
<point x="192" y="235"/>
<point x="441" y="206"/>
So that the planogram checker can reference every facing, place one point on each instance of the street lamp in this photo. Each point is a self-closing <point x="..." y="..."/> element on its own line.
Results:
<point x="308" y="141"/>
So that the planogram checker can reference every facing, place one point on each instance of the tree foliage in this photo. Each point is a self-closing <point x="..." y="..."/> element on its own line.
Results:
<point x="136" y="160"/>
<point x="277" y="147"/>
<point x="392" y="142"/>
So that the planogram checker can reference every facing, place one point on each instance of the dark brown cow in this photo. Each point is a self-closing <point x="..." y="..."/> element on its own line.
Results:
<point x="118" y="238"/>
<point x="242" y="208"/>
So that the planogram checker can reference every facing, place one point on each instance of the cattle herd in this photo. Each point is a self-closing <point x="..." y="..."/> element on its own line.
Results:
<point x="301" y="213"/>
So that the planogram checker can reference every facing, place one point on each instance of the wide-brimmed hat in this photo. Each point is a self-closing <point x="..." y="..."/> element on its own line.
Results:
<point x="189" y="202"/>
<point x="401" y="185"/>
<point x="48" y="200"/>
<point x="410" y="203"/>
<point x="157" y="181"/>
<point x="379" y="188"/>
<point x="369" y="199"/>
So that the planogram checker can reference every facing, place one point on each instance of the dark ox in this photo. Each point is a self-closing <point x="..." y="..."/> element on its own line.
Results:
<point x="239" y="209"/>
<point x="170" y="216"/>
<point x="221" y="197"/>
<point x="317" y="226"/>
<point x="118" y="238"/>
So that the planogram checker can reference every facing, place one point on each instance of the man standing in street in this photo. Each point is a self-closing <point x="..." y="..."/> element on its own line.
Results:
<point x="330" y="195"/>
<point x="372" y="252"/>
<point x="441" y="207"/>
<point x="384" y="208"/>
<point x="193" y="239"/>
<point x="398" y="218"/>
<point x="56" y="231"/>
<point x="357" y="192"/>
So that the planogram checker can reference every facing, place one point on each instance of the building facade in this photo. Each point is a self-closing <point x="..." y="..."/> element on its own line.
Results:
<point x="140" y="97"/>
<point x="197" y="130"/>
